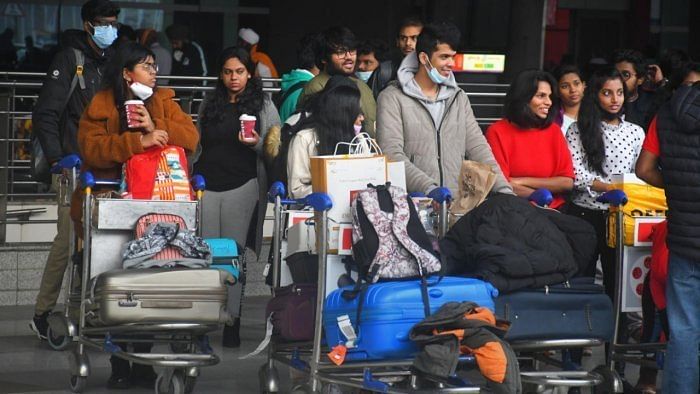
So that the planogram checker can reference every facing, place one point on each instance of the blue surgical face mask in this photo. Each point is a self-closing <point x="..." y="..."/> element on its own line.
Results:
<point x="104" y="36"/>
<point x="434" y="75"/>
<point x="363" y="75"/>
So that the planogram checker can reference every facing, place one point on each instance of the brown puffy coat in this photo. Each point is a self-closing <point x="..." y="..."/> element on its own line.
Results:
<point x="104" y="146"/>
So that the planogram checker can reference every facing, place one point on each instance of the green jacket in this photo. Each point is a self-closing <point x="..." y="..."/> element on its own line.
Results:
<point x="289" y="105"/>
<point x="367" y="103"/>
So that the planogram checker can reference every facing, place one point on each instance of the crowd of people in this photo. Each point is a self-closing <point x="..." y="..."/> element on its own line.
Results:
<point x="568" y="132"/>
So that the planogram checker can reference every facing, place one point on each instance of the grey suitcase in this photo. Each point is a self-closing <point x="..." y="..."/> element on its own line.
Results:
<point x="158" y="295"/>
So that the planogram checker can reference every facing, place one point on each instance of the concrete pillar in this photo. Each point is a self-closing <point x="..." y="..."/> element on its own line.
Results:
<point x="525" y="36"/>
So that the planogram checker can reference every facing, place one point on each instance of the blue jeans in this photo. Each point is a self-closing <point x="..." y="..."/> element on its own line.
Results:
<point x="681" y="368"/>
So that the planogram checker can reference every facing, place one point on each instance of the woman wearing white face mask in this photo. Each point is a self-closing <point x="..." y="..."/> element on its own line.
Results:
<point x="335" y="118"/>
<point x="106" y="141"/>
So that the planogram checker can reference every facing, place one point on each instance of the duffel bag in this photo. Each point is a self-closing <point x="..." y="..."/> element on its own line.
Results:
<point x="577" y="309"/>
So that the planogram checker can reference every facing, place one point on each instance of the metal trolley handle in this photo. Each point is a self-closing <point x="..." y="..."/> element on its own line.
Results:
<point x="318" y="201"/>
<point x="66" y="163"/>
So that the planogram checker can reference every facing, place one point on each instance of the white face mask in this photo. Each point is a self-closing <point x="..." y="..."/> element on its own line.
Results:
<point x="140" y="90"/>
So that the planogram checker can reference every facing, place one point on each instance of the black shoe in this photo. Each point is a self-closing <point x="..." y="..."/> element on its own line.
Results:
<point x="232" y="336"/>
<point x="143" y="376"/>
<point x="121" y="371"/>
<point x="40" y="325"/>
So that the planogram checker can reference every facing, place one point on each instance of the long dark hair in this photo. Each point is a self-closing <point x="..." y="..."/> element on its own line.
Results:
<point x="334" y="114"/>
<point x="128" y="55"/>
<point x="591" y="115"/>
<point x="250" y="100"/>
<point x="520" y="93"/>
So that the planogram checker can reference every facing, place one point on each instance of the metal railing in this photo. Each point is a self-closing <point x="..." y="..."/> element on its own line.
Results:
<point x="20" y="90"/>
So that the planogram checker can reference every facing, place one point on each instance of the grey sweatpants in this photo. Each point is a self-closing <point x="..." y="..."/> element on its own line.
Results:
<point x="227" y="215"/>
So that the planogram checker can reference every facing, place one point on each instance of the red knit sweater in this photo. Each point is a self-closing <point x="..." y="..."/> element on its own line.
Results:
<point x="537" y="153"/>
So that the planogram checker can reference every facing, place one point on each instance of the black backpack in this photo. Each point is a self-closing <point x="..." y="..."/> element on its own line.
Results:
<point x="281" y="97"/>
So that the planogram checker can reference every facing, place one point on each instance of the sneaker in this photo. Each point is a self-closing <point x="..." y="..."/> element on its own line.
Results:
<point x="232" y="338"/>
<point x="40" y="325"/>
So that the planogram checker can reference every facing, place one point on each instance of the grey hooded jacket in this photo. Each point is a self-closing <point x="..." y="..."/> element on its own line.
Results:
<point x="431" y="137"/>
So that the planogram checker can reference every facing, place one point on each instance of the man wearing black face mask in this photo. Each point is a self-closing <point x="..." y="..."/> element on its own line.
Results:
<point x="73" y="78"/>
<point x="337" y="55"/>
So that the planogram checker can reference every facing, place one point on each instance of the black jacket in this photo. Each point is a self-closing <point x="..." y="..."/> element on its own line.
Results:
<point x="56" y="126"/>
<point x="679" y="140"/>
<point x="513" y="245"/>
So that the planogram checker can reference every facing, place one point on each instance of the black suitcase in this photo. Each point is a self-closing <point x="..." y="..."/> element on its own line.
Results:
<point x="577" y="309"/>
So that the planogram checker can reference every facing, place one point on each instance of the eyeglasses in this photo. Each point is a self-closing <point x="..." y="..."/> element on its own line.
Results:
<point x="149" y="67"/>
<point x="344" y="52"/>
<point x="626" y="74"/>
<point x="103" y="22"/>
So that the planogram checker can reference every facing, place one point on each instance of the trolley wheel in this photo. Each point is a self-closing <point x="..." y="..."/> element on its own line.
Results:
<point x="190" y="381"/>
<point x="57" y="342"/>
<point x="78" y="383"/>
<point x="176" y="384"/>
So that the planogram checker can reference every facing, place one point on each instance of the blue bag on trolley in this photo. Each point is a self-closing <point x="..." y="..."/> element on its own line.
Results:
<point x="389" y="311"/>
<point x="224" y="252"/>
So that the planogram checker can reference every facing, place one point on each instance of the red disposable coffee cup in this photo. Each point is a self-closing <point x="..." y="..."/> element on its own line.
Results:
<point x="130" y="106"/>
<point x="247" y="126"/>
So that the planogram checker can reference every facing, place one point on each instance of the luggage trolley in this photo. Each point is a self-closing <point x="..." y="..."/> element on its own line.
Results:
<point x="643" y="354"/>
<point x="62" y="328"/>
<point x="108" y="224"/>
<point x="365" y="375"/>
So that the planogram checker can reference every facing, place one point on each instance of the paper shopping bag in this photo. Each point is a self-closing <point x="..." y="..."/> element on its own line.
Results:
<point x="342" y="177"/>
<point x="476" y="181"/>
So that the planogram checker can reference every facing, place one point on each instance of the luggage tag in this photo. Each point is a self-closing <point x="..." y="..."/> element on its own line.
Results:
<point x="265" y="341"/>
<point x="348" y="331"/>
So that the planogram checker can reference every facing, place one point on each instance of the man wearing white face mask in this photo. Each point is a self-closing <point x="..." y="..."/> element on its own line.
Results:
<point x="73" y="79"/>
<point x="425" y="120"/>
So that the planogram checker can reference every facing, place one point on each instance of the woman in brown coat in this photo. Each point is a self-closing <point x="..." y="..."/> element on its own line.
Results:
<point x="106" y="141"/>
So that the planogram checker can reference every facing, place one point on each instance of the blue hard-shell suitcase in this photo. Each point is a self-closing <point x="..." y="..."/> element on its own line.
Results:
<point x="224" y="253"/>
<point x="576" y="310"/>
<point x="391" y="309"/>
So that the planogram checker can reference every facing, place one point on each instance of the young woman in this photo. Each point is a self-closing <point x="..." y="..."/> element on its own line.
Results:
<point x="527" y="132"/>
<point x="570" y="86"/>
<point x="105" y="142"/>
<point x="335" y="117"/>
<point x="601" y="144"/>
<point x="231" y="164"/>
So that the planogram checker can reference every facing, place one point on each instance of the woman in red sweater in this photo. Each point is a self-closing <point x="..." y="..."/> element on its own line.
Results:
<point x="527" y="144"/>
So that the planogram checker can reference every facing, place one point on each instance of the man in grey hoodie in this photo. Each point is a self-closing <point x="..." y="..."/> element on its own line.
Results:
<point x="425" y="120"/>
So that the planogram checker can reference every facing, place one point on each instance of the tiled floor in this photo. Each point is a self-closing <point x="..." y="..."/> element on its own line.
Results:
<point x="29" y="366"/>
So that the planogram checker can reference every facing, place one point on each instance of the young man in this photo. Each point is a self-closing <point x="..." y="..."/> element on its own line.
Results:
<point x="679" y="141"/>
<point x="294" y="81"/>
<point x="337" y="56"/>
<point x="426" y="121"/>
<point x="373" y="65"/>
<point x="55" y="120"/>
<point x="409" y="30"/>
<point x="638" y="103"/>
<point x="188" y="59"/>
